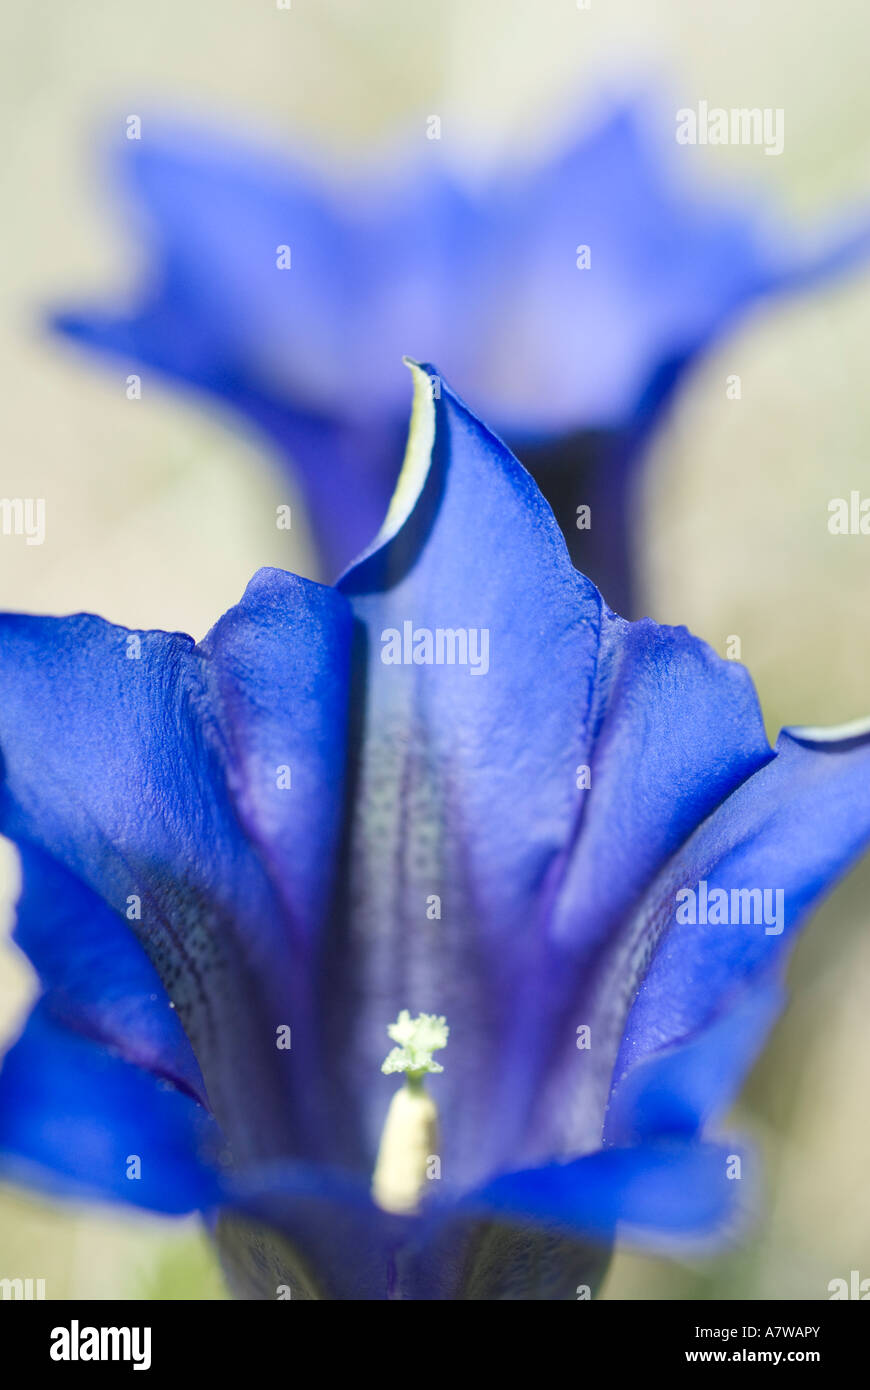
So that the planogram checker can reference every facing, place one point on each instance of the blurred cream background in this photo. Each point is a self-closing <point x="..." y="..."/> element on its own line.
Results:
<point x="158" y="512"/>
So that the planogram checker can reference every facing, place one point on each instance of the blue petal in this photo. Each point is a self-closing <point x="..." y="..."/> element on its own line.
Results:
<point x="157" y="778"/>
<point x="73" y="1117"/>
<point x="678" y="1089"/>
<point x="680" y="732"/>
<point x="661" y="1195"/>
<point x="277" y="668"/>
<point x="679" y="1011"/>
<point x="97" y="979"/>
<point x="795" y="826"/>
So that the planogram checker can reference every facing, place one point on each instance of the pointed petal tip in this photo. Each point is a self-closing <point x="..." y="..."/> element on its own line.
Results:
<point x="415" y="465"/>
<point x="439" y="414"/>
<point x="829" y="737"/>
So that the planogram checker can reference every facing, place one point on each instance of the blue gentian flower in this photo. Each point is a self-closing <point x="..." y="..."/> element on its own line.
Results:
<point x="455" y="798"/>
<point x="568" y="299"/>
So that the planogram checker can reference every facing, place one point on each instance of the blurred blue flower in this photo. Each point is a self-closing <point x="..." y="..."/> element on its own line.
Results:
<point x="241" y="859"/>
<point x="568" y="299"/>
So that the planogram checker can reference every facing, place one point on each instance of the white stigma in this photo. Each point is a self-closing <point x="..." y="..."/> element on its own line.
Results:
<point x="410" y="1136"/>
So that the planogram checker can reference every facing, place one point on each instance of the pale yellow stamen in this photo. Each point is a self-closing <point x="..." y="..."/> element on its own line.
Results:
<point x="410" y="1136"/>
